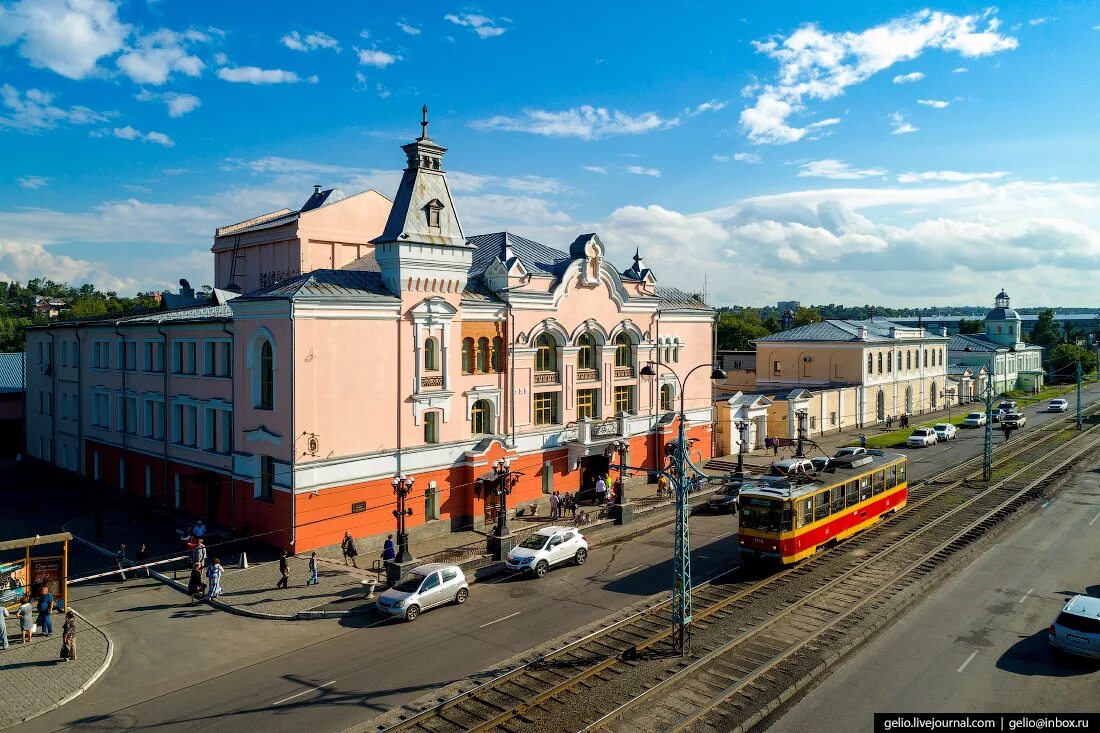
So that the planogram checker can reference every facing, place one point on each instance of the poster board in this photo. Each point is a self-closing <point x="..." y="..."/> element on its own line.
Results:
<point x="13" y="582"/>
<point x="48" y="571"/>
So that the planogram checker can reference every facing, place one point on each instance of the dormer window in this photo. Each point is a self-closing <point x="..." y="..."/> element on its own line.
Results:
<point x="432" y="210"/>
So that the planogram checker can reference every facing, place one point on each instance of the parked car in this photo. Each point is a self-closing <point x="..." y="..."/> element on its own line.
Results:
<point x="1058" y="405"/>
<point x="790" y="467"/>
<point x="849" y="450"/>
<point x="974" y="420"/>
<point x="547" y="547"/>
<point x="945" y="431"/>
<point x="422" y="588"/>
<point x="820" y="463"/>
<point x="1077" y="628"/>
<point x="1008" y="405"/>
<point x="922" y="438"/>
<point x="1013" y="420"/>
<point x="723" y="501"/>
<point x="998" y="414"/>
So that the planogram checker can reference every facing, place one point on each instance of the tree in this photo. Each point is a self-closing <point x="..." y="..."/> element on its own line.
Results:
<point x="805" y="316"/>
<point x="84" y="307"/>
<point x="966" y="326"/>
<point x="735" y="331"/>
<point x="1046" y="331"/>
<point x="1062" y="360"/>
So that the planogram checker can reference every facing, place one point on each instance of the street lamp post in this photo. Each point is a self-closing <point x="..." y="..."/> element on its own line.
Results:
<point x="402" y="487"/>
<point x="500" y="541"/>
<point x="681" y="578"/>
<point x="622" y="511"/>
<point x="741" y="426"/>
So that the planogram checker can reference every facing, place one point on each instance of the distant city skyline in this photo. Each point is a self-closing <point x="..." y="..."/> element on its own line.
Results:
<point x="894" y="155"/>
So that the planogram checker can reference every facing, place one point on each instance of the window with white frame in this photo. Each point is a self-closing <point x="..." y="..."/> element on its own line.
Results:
<point x="184" y="357"/>
<point x="154" y="418"/>
<point x="101" y="355"/>
<point x="127" y="355"/>
<point x="101" y="409"/>
<point x="217" y="434"/>
<point x="217" y="359"/>
<point x="127" y="414"/>
<point x="153" y="356"/>
<point x="265" y="484"/>
<point x="185" y="428"/>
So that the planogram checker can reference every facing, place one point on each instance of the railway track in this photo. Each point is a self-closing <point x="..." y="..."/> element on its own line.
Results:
<point x="540" y="694"/>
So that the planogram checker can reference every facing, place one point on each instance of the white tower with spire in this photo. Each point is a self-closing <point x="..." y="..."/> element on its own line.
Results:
<point x="422" y="248"/>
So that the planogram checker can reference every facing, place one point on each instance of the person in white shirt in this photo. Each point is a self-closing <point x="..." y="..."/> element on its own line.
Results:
<point x="601" y="490"/>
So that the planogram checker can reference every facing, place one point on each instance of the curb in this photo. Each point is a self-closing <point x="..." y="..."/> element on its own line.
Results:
<point x="83" y="688"/>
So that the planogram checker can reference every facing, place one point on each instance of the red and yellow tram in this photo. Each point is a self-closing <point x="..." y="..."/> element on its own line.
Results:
<point x="790" y="518"/>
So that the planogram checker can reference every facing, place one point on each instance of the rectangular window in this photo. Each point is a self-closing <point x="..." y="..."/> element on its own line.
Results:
<point x="217" y="430"/>
<point x="821" y="505"/>
<point x="190" y="425"/>
<point x="177" y="423"/>
<point x="64" y="355"/>
<point x="127" y="355"/>
<point x="131" y="403"/>
<point x="101" y="409"/>
<point x="101" y="355"/>
<point x="431" y="502"/>
<point x="864" y="488"/>
<point x="41" y="402"/>
<point x="122" y="473"/>
<point x="851" y="497"/>
<point x="183" y="357"/>
<point x="546" y="408"/>
<point x="217" y="359"/>
<point x="880" y="482"/>
<point x="588" y="404"/>
<point x="891" y="477"/>
<point x="266" y="489"/>
<point x="624" y="399"/>
<point x="95" y="465"/>
<point x="837" y="499"/>
<point x="431" y="427"/>
<point x="832" y="419"/>
<point x="901" y="473"/>
<point x="153" y="356"/>
<point x="787" y="523"/>
<point x="777" y="367"/>
<point x="807" y="511"/>
<point x="177" y="491"/>
<point x="76" y="353"/>
<point x="148" y="481"/>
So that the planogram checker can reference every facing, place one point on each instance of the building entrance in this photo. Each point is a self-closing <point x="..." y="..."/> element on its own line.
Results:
<point x="592" y="468"/>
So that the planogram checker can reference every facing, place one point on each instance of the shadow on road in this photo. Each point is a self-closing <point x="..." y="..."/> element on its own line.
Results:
<point x="1032" y="656"/>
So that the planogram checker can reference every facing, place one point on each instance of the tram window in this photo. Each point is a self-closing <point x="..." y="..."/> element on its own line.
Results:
<point x="821" y="505"/>
<point x="879" y="482"/>
<point x="788" y="519"/>
<point x="864" y="488"/>
<point x="901" y="472"/>
<point x="838" y="499"/>
<point x="853" y="493"/>
<point x="807" y="512"/>
<point x="891" y="477"/>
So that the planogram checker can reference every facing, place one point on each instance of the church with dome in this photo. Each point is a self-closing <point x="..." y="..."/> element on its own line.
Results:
<point x="1000" y="349"/>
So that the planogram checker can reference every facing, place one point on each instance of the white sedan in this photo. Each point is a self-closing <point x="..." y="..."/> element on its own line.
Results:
<point x="1058" y="405"/>
<point x="922" y="438"/>
<point x="945" y="431"/>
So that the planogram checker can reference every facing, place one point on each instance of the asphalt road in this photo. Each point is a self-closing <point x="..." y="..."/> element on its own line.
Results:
<point x="979" y="642"/>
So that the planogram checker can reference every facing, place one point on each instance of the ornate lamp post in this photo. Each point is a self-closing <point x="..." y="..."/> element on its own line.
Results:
<point x="681" y="579"/>
<point x="500" y="541"/>
<point x="741" y="426"/>
<point x="402" y="487"/>
<point x="621" y="511"/>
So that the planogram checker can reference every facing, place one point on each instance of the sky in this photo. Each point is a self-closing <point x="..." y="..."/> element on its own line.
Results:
<point x="890" y="153"/>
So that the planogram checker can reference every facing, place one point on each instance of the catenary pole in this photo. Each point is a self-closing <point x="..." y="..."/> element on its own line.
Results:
<point x="1078" y="394"/>
<point x="987" y="456"/>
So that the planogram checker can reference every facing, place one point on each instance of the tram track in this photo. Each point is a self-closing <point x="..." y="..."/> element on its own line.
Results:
<point x="534" y="695"/>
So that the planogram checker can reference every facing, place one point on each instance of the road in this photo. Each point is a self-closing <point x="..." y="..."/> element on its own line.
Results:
<point x="180" y="667"/>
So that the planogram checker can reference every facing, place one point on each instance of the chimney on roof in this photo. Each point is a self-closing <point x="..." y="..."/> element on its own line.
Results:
<point x="186" y="290"/>
<point x="943" y="331"/>
<point x="862" y="333"/>
<point x="316" y="188"/>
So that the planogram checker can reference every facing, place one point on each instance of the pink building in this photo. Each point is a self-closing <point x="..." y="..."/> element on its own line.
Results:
<point x="403" y="346"/>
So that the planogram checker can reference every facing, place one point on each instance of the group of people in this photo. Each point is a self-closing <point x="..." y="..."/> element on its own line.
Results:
<point x="561" y="503"/>
<point x="39" y="610"/>
<point x="196" y="588"/>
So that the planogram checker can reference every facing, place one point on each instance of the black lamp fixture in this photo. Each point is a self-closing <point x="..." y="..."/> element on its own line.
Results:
<point x="402" y="487"/>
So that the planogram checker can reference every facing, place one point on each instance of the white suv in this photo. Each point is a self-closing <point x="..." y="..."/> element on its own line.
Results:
<point x="547" y="547"/>
<point x="922" y="438"/>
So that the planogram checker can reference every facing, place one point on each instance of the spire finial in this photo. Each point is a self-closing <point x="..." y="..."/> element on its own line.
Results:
<point x="424" y="122"/>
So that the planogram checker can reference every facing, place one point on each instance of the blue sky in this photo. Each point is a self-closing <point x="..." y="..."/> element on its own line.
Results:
<point x="903" y="154"/>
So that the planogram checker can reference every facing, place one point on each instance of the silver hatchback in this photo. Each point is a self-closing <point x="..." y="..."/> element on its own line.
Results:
<point x="1077" y="628"/>
<point x="422" y="588"/>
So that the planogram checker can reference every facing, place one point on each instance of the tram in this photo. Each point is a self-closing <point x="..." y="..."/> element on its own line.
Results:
<point x="789" y="518"/>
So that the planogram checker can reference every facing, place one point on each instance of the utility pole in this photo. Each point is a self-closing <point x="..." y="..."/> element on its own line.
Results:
<point x="741" y="425"/>
<point x="1078" y="394"/>
<point x="801" y="415"/>
<point x="987" y="458"/>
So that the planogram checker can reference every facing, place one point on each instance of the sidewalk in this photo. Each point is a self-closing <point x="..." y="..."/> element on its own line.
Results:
<point x="33" y="677"/>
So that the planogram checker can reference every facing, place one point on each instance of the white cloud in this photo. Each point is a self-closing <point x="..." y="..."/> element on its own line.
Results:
<point x="33" y="182"/>
<point x="908" y="78"/>
<point x="952" y="176"/>
<point x="178" y="104"/>
<point x="376" y="58"/>
<point x="483" y="26"/>
<point x="21" y="260"/>
<point x="221" y="59"/>
<point x="594" y="168"/>
<point x="382" y="91"/>
<point x="156" y="56"/>
<point x="817" y="65"/>
<point x="590" y="123"/>
<point x="412" y="30"/>
<point x="131" y="133"/>
<point x="256" y="75"/>
<point x="34" y="110"/>
<point x="311" y="42"/>
<point x="68" y="37"/>
<point x="901" y="127"/>
<point x="1039" y="21"/>
<point x="933" y="103"/>
<point x="747" y="157"/>
<point x="637" y="170"/>
<point x="836" y="169"/>
<point x="720" y="158"/>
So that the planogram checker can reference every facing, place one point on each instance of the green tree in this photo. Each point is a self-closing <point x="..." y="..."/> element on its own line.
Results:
<point x="967" y="326"/>
<point x="735" y="331"/>
<point x="805" y="316"/>
<point x="1046" y="331"/>
<point x="84" y="307"/>
<point x="1062" y="361"/>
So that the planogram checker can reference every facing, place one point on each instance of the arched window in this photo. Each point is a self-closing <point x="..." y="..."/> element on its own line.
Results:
<point x="908" y="359"/>
<point x="586" y="356"/>
<point x="267" y="377"/>
<point x="624" y="351"/>
<point x="497" y="359"/>
<point x="481" y="417"/>
<point x="676" y="352"/>
<point x="933" y="395"/>
<point x="880" y="363"/>
<point x="666" y="397"/>
<point x="870" y="363"/>
<point x="926" y="358"/>
<point x="483" y="354"/>
<point x="546" y="354"/>
<point x="890" y="361"/>
<point x="468" y="356"/>
<point x="431" y="355"/>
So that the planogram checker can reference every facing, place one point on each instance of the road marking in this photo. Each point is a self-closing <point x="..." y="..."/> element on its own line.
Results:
<point x="305" y="692"/>
<point x="629" y="570"/>
<point x="1094" y="520"/>
<point x="511" y="615"/>
<point x="727" y="534"/>
<point x="968" y="660"/>
<point x="1029" y="592"/>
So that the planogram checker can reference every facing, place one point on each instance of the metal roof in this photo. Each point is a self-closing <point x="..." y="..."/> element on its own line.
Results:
<point x="13" y="373"/>
<point x="537" y="258"/>
<point x="981" y="342"/>
<point x="1002" y="314"/>
<point x="878" y="330"/>
<point x="345" y="283"/>
<point x="679" y="299"/>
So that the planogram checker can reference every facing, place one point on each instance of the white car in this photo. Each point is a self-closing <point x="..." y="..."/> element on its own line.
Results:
<point x="545" y="548"/>
<point x="974" y="420"/>
<point x="1077" y="628"/>
<point x="922" y="438"/>
<point x="945" y="431"/>
<point x="791" y="467"/>
<point x="1008" y="406"/>
<point x="850" y="450"/>
<point x="1058" y="405"/>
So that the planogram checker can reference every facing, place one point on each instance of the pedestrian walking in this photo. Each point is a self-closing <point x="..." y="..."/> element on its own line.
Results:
<point x="68" y="637"/>
<point x="389" y="550"/>
<point x="313" y="570"/>
<point x="601" y="490"/>
<point x="1007" y="431"/>
<point x="214" y="575"/>
<point x="198" y="555"/>
<point x="573" y="504"/>
<point x="284" y="571"/>
<point x="195" y="587"/>
<point x="141" y="557"/>
<point x="4" y="625"/>
<point x="120" y="561"/>
<point x="554" y="505"/>
<point x="45" y="610"/>
<point x="26" y="618"/>
<point x="863" y="440"/>
<point x="347" y="546"/>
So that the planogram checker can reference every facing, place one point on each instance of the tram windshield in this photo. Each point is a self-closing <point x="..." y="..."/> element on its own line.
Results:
<point x="764" y="515"/>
